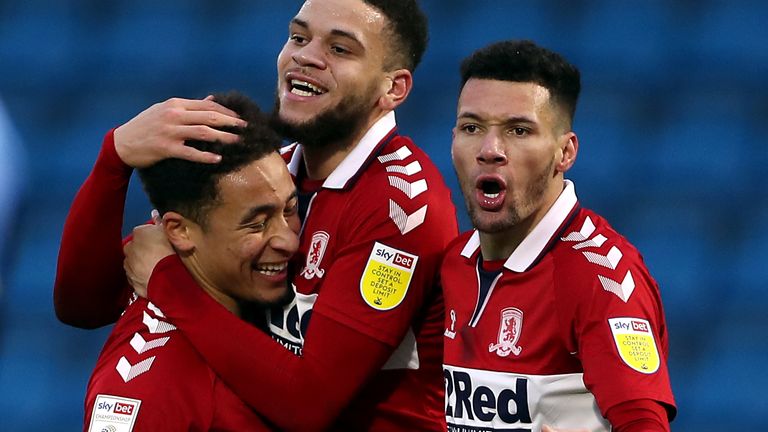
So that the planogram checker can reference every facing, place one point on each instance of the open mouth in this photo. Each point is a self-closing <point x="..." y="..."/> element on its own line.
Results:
<point x="491" y="188"/>
<point x="270" y="269"/>
<point x="490" y="192"/>
<point x="306" y="89"/>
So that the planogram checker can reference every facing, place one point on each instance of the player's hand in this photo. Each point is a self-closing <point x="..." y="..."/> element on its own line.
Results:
<point x="159" y="132"/>
<point x="546" y="428"/>
<point x="148" y="247"/>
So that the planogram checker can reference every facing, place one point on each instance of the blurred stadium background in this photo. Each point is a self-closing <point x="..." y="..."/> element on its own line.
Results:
<point x="672" y="125"/>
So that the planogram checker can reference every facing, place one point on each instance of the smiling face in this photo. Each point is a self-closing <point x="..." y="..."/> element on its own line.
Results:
<point x="331" y="69"/>
<point x="510" y="150"/>
<point x="250" y="234"/>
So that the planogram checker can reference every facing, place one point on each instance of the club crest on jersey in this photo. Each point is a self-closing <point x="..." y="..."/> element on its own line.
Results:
<point x="315" y="256"/>
<point x="509" y="333"/>
<point x="387" y="276"/>
<point x="636" y="344"/>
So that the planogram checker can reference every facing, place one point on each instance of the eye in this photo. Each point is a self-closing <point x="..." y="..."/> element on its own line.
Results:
<point x="519" y="131"/>
<point x="339" y="49"/>
<point x="257" y="226"/>
<point x="291" y="209"/>
<point x="298" y="39"/>
<point x="470" y="128"/>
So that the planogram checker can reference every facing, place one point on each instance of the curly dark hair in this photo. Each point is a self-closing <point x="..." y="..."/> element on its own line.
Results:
<point x="524" y="61"/>
<point x="408" y="29"/>
<point x="191" y="188"/>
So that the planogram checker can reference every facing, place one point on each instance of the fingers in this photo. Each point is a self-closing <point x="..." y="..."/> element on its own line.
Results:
<point x="206" y="105"/>
<point x="193" y="154"/>
<point x="211" y="118"/>
<point x="155" y="216"/>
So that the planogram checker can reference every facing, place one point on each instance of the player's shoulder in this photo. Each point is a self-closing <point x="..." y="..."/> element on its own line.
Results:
<point x="590" y="249"/>
<point x="401" y="167"/>
<point x="455" y="247"/>
<point x="147" y="370"/>
<point x="146" y="350"/>
<point x="400" y="183"/>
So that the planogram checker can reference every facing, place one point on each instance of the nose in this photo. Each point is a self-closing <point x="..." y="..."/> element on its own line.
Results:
<point x="285" y="238"/>
<point x="491" y="150"/>
<point x="310" y="54"/>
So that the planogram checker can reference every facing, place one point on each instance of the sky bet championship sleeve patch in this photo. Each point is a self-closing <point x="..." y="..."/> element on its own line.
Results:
<point x="636" y="344"/>
<point x="114" y="414"/>
<point x="386" y="277"/>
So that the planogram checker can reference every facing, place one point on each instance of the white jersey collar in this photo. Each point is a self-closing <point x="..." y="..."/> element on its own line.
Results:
<point x="535" y="242"/>
<point x="351" y="165"/>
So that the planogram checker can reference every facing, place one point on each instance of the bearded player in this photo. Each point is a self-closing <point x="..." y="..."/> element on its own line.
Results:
<point x="367" y="315"/>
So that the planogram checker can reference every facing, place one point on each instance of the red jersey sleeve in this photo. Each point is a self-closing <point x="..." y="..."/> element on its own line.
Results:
<point x="150" y="378"/>
<point x="91" y="289"/>
<point x="389" y="247"/>
<point x="264" y="374"/>
<point x="640" y="415"/>
<point x="619" y="331"/>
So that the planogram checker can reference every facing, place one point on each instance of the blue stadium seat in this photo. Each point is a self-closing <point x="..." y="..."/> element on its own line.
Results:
<point x="729" y="42"/>
<point x="627" y="41"/>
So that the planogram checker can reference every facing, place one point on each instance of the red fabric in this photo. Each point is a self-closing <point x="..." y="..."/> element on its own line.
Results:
<point x="176" y="391"/>
<point x="385" y="204"/>
<point x="545" y="328"/>
<point x="641" y="415"/>
<point x="335" y="363"/>
<point x="91" y="289"/>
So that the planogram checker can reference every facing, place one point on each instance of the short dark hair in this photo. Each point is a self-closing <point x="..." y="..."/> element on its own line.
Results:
<point x="524" y="61"/>
<point x="191" y="188"/>
<point x="408" y="28"/>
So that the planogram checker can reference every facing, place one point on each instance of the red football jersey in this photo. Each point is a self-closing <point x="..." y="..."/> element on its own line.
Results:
<point x="149" y="378"/>
<point x="569" y="327"/>
<point x="371" y="243"/>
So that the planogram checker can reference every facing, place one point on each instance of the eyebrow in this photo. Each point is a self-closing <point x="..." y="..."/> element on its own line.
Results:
<point x="266" y="208"/>
<point x="514" y="119"/>
<point x="336" y="32"/>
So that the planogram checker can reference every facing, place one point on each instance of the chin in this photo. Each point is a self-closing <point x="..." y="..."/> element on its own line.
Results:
<point x="275" y="297"/>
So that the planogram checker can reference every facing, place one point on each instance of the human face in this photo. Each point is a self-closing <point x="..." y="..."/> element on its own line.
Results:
<point x="242" y="253"/>
<point x="333" y="61"/>
<point x="507" y="151"/>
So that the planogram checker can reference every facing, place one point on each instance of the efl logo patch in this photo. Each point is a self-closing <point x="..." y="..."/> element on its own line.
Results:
<point x="114" y="414"/>
<point x="386" y="277"/>
<point x="636" y="344"/>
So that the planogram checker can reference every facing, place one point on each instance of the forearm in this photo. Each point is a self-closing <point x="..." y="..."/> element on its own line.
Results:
<point x="90" y="288"/>
<point x="265" y="375"/>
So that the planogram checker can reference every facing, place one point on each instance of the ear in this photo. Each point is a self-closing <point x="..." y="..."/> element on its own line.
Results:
<point x="398" y="86"/>
<point x="569" y="148"/>
<point x="178" y="229"/>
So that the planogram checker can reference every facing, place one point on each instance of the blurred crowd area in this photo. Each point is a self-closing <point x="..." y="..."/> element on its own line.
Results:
<point x="672" y="127"/>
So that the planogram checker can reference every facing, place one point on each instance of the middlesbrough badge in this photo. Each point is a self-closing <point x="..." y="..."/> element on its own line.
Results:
<point x="509" y="333"/>
<point x="315" y="256"/>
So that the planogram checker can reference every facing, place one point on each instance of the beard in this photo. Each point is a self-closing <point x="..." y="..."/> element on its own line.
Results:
<point x="333" y="126"/>
<point x="517" y="208"/>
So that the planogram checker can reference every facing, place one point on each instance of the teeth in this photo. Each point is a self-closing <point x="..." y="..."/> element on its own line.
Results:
<point x="313" y="89"/>
<point x="301" y="92"/>
<point x="270" y="269"/>
<point x="491" y="195"/>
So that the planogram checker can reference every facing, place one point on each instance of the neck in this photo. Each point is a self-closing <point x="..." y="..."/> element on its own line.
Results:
<point x="321" y="161"/>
